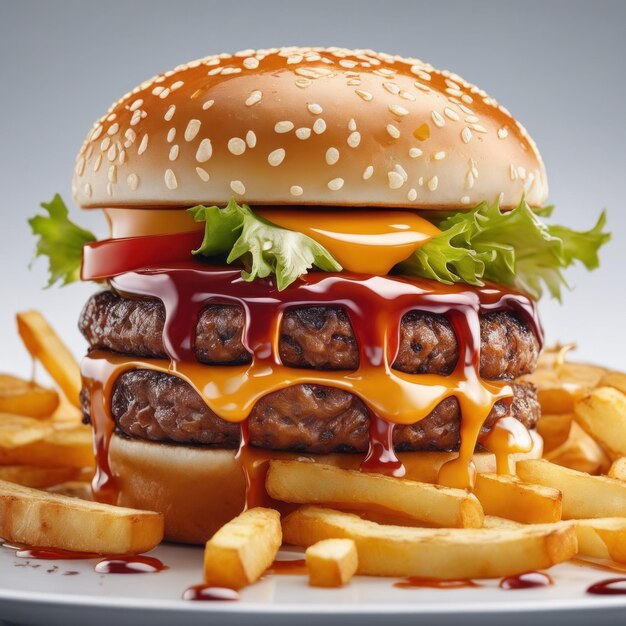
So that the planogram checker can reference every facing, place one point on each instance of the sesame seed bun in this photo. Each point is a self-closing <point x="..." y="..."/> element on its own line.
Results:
<point x="198" y="489"/>
<point x="308" y="126"/>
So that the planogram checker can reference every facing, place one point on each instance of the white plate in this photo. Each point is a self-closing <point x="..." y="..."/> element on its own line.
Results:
<point x="37" y="593"/>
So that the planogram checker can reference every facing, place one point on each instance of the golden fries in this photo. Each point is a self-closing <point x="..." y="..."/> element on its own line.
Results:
<point x="505" y="496"/>
<point x="603" y="538"/>
<point x="614" y="379"/>
<point x="24" y="397"/>
<point x="37" y="477"/>
<point x="331" y="562"/>
<point x="17" y="431"/>
<point x="315" y="483"/>
<point x="73" y="489"/>
<point x="618" y="469"/>
<point x="44" y="345"/>
<point x="602" y="414"/>
<point x="554" y="430"/>
<point x="240" y="551"/>
<point x="435" y="553"/>
<point x="584" y="496"/>
<point x="39" y="518"/>
<point x="580" y="452"/>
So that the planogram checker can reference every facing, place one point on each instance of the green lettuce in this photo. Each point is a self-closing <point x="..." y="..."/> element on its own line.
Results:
<point x="60" y="240"/>
<point x="263" y="247"/>
<point x="513" y="248"/>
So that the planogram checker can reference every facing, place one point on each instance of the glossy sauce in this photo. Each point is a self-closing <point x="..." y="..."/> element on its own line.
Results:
<point x="415" y="582"/>
<point x="206" y="593"/>
<point x="49" y="554"/>
<point x="293" y="567"/>
<point x="609" y="587"/>
<point x="375" y="306"/>
<point x="130" y="565"/>
<point x="526" y="580"/>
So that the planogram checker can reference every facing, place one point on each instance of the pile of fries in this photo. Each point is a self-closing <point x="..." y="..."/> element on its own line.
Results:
<point x="571" y="503"/>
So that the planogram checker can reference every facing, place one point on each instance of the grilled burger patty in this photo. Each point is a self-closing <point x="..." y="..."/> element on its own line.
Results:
<point x="303" y="418"/>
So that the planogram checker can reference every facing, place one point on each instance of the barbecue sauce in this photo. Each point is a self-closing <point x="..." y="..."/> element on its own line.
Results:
<point x="292" y="567"/>
<point x="207" y="593"/>
<point x="135" y="564"/>
<point x="416" y="582"/>
<point x="609" y="587"/>
<point x="526" y="580"/>
<point x="375" y="306"/>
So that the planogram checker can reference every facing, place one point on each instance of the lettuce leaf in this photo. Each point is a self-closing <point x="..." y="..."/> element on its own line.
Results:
<point x="60" y="240"/>
<point x="263" y="247"/>
<point x="513" y="248"/>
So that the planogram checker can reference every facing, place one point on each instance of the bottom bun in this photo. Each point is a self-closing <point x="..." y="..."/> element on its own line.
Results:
<point x="198" y="490"/>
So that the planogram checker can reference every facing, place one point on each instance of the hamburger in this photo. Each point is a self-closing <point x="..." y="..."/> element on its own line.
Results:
<point x="325" y="254"/>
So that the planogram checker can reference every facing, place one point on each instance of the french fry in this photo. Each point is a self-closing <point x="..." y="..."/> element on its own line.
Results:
<point x="24" y="397"/>
<point x="492" y="521"/>
<point x="506" y="496"/>
<point x="316" y="483"/>
<point x="435" y="553"/>
<point x="616" y="380"/>
<point x="73" y="489"/>
<point x="618" y="469"/>
<point x="240" y="551"/>
<point x="602" y="414"/>
<point x="584" y="496"/>
<point x="580" y="452"/>
<point x="554" y="430"/>
<point x="46" y="346"/>
<point x="65" y="447"/>
<point x="331" y="562"/>
<point x="17" y="431"/>
<point x="38" y="518"/>
<point x="603" y="538"/>
<point x="37" y="477"/>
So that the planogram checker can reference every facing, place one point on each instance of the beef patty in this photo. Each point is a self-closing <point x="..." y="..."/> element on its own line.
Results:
<point x="303" y="418"/>
<point x="310" y="337"/>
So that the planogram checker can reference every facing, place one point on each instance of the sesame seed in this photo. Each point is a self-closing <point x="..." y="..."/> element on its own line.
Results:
<point x="439" y="156"/>
<point x="503" y="133"/>
<point x="451" y="114"/>
<point x="296" y="190"/>
<point x="433" y="183"/>
<point x="465" y="200"/>
<point x="143" y="144"/>
<point x="303" y="133"/>
<point x="136" y="104"/>
<point x="164" y="94"/>
<point x="110" y="189"/>
<point x="392" y="88"/>
<point x="469" y="180"/>
<point x="173" y="152"/>
<point x="398" y="168"/>
<point x="396" y="109"/>
<point x="203" y="174"/>
<point x="415" y="152"/>
<point x="354" y="82"/>
<point x="193" y="127"/>
<point x="177" y="85"/>
<point x="131" y="135"/>
<point x="407" y="96"/>
<point x="205" y="150"/>
<point x="303" y="82"/>
<point x="319" y="127"/>
<point x="276" y="157"/>
<point x="171" y="134"/>
<point x="283" y="127"/>
<point x="251" y="139"/>
<point x="170" y="179"/>
<point x="96" y="132"/>
<point x="253" y="98"/>
<point x="479" y="128"/>
<point x="238" y="187"/>
<point x="466" y="135"/>
<point x="97" y="163"/>
<point x="80" y="167"/>
<point x="467" y="98"/>
<point x="169" y="114"/>
<point x="437" y="119"/>
<point x="367" y="172"/>
<point x="294" y="58"/>
<point x="208" y="104"/>
<point x="354" y="139"/>
<point x="112" y="153"/>
<point x="412" y="195"/>
<point x="316" y="109"/>
<point x="512" y="172"/>
<point x="236" y="146"/>
<point x="112" y="174"/>
<point x="335" y="184"/>
<point x="332" y="156"/>
<point x="132" y="181"/>
<point x="251" y="63"/>
<point x="105" y="143"/>
<point x="393" y="131"/>
<point x="352" y="124"/>
<point x="157" y="90"/>
<point x="87" y="190"/>
<point x="365" y="95"/>
<point x="395" y="180"/>
<point x="113" y="129"/>
<point x="471" y="119"/>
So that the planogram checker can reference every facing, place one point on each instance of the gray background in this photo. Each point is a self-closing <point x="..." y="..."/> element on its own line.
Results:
<point x="557" y="65"/>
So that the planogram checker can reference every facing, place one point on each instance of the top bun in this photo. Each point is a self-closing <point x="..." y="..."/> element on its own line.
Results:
<point x="308" y="126"/>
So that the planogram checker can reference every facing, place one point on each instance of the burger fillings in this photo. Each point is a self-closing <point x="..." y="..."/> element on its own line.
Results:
<point x="354" y="278"/>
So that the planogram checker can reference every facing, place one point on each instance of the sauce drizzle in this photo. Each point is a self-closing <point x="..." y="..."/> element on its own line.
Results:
<point x="206" y="593"/>
<point x="609" y="587"/>
<point x="526" y="580"/>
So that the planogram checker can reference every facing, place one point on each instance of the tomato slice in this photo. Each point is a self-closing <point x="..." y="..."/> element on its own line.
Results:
<point x="111" y="257"/>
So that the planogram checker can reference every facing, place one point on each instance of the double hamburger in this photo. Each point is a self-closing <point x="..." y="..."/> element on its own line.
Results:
<point x="314" y="253"/>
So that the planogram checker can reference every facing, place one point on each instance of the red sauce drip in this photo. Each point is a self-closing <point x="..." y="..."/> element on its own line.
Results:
<point x="206" y="593"/>
<point x="415" y="582"/>
<point x="254" y="472"/>
<point x="294" y="567"/>
<point x="130" y="565"/>
<point x="609" y="587"/>
<point x="50" y="554"/>
<point x="526" y="580"/>
<point x="375" y="306"/>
